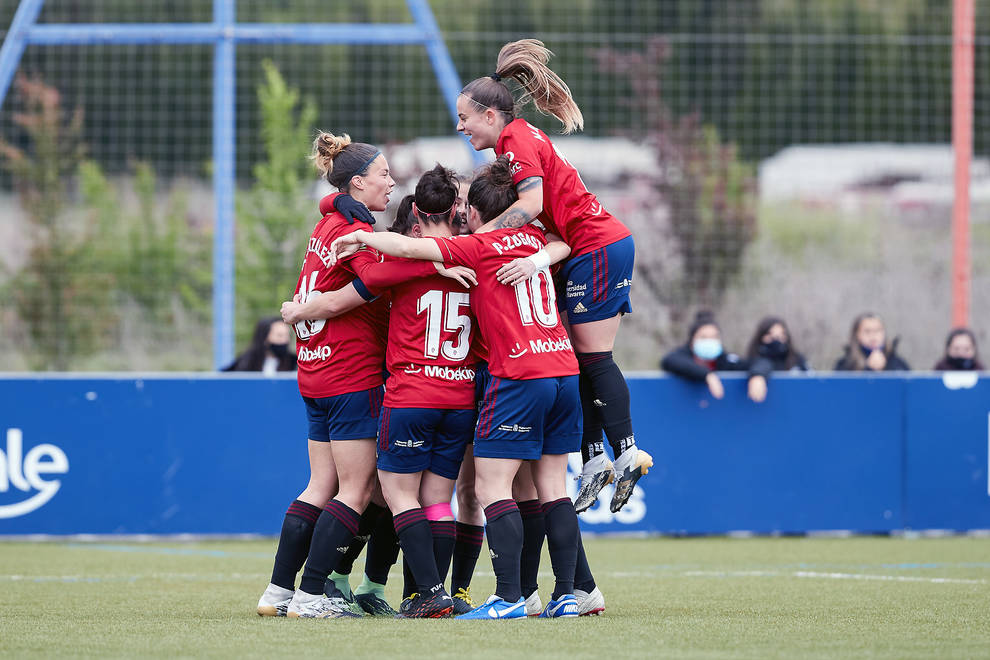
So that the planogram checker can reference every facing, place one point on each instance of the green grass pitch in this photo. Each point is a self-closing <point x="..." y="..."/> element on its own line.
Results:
<point x="860" y="597"/>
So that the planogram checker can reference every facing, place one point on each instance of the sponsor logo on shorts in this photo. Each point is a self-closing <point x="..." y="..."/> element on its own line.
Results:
<point x="319" y="353"/>
<point x="624" y="283"/>
<point x="576" y="290"/>
<point x="409" y="444"/>
<point x="515" y="428"/>
<point x="599" y="403"/>
<point x="518" y="351"/>
<point x="550" y="345"/>
<point x="456" y="374"/>
<point x="579" y="308"/>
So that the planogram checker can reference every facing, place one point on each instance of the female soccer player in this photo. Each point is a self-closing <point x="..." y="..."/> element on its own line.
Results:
<point x="340" y="379"/>
<point x="599" y="273"/>
<point x="428" y="415"/>
<point x="530" y="410"/>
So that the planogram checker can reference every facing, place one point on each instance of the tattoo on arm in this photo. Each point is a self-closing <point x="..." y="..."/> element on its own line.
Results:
<point x="513" y="218"/>
<point x="516" y="217"/>
<point x="528" y="183"/>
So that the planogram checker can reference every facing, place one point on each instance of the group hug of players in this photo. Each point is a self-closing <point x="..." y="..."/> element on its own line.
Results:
<point x="494" y="375"/>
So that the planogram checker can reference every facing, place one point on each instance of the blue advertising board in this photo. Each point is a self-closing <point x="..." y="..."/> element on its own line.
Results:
<point x="225" y="454"/>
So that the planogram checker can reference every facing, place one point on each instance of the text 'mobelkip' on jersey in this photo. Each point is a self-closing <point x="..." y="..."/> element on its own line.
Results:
<point x="430" y="334"/>
<point x="520" y="323"/>
<point x="347" y="353"/>
<point x="569" y="209"/>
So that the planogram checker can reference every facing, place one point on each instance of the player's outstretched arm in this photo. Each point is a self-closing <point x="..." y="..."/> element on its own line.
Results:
<point x="524" y="210"/>
<point x="323" y="306"/>
<point x="523" y="268"/>
<point x="389" y="243"/>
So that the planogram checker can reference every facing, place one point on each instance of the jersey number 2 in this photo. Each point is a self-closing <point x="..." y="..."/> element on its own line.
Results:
<point x="432" y="302"/>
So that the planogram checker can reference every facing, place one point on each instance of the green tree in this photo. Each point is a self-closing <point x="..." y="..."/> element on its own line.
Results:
<point x="60" y="293"/>
<point x="276" y="216"/>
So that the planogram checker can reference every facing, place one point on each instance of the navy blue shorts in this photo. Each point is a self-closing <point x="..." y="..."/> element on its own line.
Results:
<point x="482" y="379"/>
<point x="528" y="418"/>
<point x="596" y="284"/>
<point x="417" y="439"/>
<point x="350" y="416"/>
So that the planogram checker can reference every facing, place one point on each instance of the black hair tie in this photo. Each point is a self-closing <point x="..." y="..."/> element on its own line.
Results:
<point x="495" y="77"/>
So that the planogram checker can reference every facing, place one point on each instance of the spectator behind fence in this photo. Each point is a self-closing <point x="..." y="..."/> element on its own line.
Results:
<point x="960" y="352"/>
<point x="703" y="355"/>
<point x="868" y="349"/>
<point x="269" y="350"/>
<point x="771" y="349"/>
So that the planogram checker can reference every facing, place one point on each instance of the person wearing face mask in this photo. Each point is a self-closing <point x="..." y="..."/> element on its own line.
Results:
<point x="269" y="349"/>
<point x="868" y="349"/>
<point x="703" y="355"/>
<point x="960" y="352"/>
<point x="771" y="349"/>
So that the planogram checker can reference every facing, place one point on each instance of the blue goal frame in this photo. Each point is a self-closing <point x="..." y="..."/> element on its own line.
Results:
<point x="224" y="33"/>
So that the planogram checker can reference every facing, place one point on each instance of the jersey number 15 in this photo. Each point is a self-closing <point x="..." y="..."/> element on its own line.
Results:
<point x="449" y="319"/>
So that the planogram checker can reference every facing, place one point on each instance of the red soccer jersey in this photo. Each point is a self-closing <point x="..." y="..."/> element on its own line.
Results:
<point x="569" y="210"/>
<point x="346" y="353"/>
<point x="521" y="325"/>
<point x="429" y="339"/>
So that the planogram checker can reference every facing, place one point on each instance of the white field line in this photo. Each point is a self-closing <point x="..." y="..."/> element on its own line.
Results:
<point x="250" y="577"/>
<point x="834" y="576"/>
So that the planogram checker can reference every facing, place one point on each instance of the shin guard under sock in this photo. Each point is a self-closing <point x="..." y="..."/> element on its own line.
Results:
<point x="505" y="538"/>
<point x="534" y="531"/>
<point x="416" y="540"/>
<point x="562" y="541"/>
<point x="611" y="398"/>
<point x="293" y="543"/>
<point x="337" y="525"/>
<point x="467" y="549"/>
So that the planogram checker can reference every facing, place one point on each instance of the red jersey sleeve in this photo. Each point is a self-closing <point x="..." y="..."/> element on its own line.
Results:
<point x="460" y="250"/>
<point x="378" y="276"/>
<point x="522" y="148"/>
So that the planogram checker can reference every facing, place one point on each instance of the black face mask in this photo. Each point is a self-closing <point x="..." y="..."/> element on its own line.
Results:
<point x="962" y="364"/>
<point x="279" y="350"/>
<point x="775" y="349"/>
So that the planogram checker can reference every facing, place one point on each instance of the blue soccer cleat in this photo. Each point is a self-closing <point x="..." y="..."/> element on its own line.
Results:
<point x="565" y="606"/>
<point x="497" y="608"/>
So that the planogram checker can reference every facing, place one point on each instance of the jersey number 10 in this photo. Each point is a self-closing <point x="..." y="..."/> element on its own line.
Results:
<point x="534" y="303"/>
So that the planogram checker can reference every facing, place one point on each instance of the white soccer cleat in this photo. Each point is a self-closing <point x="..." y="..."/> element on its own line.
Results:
<point x="631" y="464"/>
<point x="590" y="604"/>
<point x="318" y="606"/>
<point x="275" y="601"/>
<point x="595" y="475"/>
<point x="534" y="606"/>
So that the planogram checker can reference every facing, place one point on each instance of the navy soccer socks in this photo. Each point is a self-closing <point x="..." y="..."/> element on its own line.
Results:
<point x="416" y="539"/>
<point x="293" y="543"/>
<point x="505" y="539"/>
<point x="467" y="549"/>
<point x="335" y="528"/>
<point x="534" y="531"/>
<point x="443" y="545"/>
<point x="609" y="395"/>
<point x="563" y="537"/>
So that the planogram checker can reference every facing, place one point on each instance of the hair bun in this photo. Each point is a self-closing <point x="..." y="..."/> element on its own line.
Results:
<point x="326" y="147"/>
<point x="500" y="171"/>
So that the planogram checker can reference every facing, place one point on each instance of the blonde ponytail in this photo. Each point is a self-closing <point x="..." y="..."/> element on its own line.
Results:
<point x="526" y="61"/>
